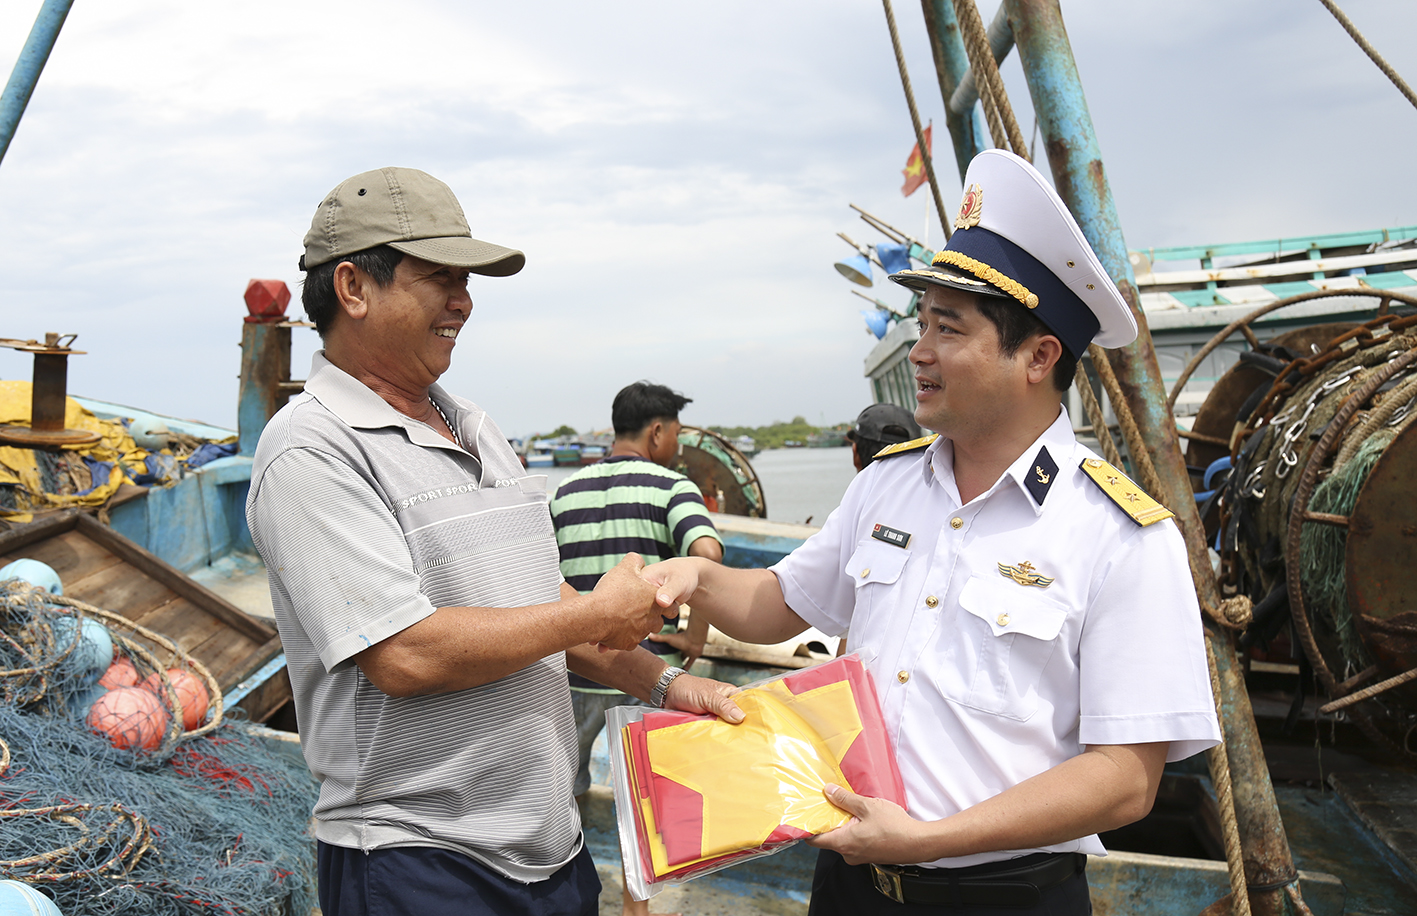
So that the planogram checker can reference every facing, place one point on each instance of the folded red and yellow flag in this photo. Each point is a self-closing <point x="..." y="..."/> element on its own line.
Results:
<point x="706" y="793"/>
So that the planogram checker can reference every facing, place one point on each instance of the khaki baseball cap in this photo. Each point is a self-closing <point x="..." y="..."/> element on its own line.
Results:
<point x="408" y="210"/>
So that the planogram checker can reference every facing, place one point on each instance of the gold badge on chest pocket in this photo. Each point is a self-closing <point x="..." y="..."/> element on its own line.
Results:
<point x="1023" y="574"/>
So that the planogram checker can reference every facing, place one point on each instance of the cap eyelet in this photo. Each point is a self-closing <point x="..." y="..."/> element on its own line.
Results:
<point x="1070" y="263"/>
<point x="363" y="190"/>
<point x="1090" y="286"/>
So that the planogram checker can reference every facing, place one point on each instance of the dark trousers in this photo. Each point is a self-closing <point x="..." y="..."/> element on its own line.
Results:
<point x="428" y="881"/>
<point x="839" y="889"/>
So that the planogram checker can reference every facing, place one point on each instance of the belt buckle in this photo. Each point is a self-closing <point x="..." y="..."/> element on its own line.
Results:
<point x="887" y="881"/>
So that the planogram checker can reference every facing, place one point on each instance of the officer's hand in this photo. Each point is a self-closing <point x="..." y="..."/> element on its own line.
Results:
<point x="676" y="580"/>
<point x="699" y="694"/>
<point x="627" y="605"/>
<point x="879" y="831"/>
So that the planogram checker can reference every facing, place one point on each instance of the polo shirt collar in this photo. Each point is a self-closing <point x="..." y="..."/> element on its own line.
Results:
<point x="358" y="406"/>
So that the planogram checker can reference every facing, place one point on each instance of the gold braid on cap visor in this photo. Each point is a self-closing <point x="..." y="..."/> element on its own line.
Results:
<point x="989" y="275"/>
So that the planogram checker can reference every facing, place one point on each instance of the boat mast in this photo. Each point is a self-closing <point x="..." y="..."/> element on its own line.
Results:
<point x="28" y="67"/>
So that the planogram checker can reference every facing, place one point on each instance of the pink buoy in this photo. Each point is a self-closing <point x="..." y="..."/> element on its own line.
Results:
<point x="120" y="674"/>
<point x="131" y="717"/>
<point x="191" y="694"/>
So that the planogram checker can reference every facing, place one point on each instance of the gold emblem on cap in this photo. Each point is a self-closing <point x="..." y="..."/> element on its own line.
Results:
<point x="1023" y="574"/>
<point x="985" y="272"/>
<point x="970" y="208"/>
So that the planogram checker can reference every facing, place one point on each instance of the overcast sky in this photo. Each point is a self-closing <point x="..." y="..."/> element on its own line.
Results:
<point x="676" y="174"/>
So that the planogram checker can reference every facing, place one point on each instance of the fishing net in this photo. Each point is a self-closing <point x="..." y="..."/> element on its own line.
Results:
<point x="210" y="820"/>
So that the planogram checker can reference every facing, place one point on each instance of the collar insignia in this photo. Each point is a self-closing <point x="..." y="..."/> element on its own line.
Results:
<point x="1040" y="478"/>
<point x="970" y="208"/>
<point x="1023" y="574"/>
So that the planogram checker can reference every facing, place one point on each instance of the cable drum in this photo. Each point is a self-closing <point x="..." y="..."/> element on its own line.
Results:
<point x="1318" y="513"/>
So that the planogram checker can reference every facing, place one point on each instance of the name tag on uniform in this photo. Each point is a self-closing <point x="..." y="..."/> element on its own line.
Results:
<point x="890" y="535"/>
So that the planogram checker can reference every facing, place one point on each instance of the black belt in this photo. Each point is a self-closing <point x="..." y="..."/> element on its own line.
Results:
<point x="1013" y="882"/>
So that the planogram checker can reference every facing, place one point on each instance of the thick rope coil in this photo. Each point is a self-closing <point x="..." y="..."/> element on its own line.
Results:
<point x="1233" y="614"/>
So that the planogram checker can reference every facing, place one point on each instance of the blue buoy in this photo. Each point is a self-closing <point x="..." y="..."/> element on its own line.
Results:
<point x="94" y="653"/>
<point x="35" y="573"/>
<point x="19" y="899"/>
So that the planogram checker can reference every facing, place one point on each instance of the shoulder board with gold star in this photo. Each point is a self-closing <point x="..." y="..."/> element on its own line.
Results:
<point x="1121" y="490"/>
<point x="914" y="445"/>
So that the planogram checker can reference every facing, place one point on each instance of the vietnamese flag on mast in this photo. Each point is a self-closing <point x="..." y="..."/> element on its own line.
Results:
<point x="915" y="167"/>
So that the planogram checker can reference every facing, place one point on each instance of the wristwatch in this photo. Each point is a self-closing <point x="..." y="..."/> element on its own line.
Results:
<point x="660" y="692"/>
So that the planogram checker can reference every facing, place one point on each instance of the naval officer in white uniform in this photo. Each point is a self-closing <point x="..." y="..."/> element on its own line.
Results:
<point x="1026" y="610"/>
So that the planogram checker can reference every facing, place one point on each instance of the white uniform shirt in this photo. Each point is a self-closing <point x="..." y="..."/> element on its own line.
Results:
<point x="985" y="682"/>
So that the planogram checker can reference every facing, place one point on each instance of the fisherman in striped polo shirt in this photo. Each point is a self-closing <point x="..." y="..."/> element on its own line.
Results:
<point x="631" y="502"/>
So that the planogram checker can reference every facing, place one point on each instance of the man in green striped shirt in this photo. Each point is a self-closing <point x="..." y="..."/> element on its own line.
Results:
<point x="630" y="501"/>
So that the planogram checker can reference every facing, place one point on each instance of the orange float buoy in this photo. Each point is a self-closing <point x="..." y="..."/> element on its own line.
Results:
<point x="191" y="694"/>
<point x="120" y="674"/>
<point x="131" y="717"/>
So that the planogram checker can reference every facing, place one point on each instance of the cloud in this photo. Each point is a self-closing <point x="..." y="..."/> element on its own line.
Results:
<point x="676" y="175"/>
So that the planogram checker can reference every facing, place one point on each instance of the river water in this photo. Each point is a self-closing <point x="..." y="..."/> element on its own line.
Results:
<point x="799" y="484"/>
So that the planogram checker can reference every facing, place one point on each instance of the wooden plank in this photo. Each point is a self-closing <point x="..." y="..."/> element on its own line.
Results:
<point x="73" y="556"/>
<point x="757" y="656"/>
<point x="183" y="623"/>
<point x="122" y="589"/>
<point x="184" y="586"/>
<point x="228" y="656"/>
<point x="1282" y="269"/>
<point x="262" y="703"/>
<point x="38" y="530"/>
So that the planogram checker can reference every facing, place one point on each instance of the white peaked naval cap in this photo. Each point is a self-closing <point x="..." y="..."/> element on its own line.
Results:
<point x="1015" y="239"/>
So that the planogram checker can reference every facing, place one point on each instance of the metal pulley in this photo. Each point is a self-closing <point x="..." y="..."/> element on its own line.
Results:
<point x="48" y="396"/>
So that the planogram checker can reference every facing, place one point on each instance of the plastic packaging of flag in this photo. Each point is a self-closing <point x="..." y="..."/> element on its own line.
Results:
<point x="695" y="794"/>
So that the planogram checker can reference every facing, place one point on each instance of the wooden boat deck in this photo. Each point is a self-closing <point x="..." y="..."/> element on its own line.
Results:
<point x="101" y="567"/>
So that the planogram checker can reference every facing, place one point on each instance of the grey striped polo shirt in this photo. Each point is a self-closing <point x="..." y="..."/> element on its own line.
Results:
<point x="368" y="521"/>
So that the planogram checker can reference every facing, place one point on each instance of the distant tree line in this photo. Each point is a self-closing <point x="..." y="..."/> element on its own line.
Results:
<point x="778" y="434"/>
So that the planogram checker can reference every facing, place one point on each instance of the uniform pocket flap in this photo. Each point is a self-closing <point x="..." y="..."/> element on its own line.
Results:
<point x="874" y="561"/>
<point x="1011" y="608"/>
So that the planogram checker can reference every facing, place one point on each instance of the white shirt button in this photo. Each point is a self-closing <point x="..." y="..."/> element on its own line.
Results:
<point x="956" y="523"/>
<point x="903" y="676"/>
<point x="1003" y="620"/>
<point x="932" y="602"/>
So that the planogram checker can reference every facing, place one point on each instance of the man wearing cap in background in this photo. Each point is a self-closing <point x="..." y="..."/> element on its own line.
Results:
<point x="876" y="427"/>
<point x="1004" y="584"/>
<point x="414" y="573"/>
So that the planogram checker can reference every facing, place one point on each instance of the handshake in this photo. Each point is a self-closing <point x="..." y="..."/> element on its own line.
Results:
<point x="631" y="599"/>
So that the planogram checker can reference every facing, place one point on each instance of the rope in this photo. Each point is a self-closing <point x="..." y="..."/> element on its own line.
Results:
<point x="1369" y="50"/>
<point x="986" y="76"/>
<point x="1377" y="419"/>
<point x="1095" y="416"/>
<point x="1219" y="759"/>
<point x="920" y="143"/>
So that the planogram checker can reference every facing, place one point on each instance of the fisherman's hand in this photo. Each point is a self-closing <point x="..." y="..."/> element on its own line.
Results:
<point x="627" y="606"/>
<point x="879" y="831"/>
<point x="676" y="580"/>
<point x="702" y="695"/>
